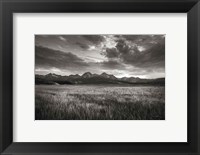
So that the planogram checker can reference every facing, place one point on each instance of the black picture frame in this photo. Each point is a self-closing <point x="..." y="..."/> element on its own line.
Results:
<point x="8" y="7"/>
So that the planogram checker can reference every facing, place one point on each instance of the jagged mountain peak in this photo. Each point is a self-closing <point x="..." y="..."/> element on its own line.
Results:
<point x="52" y="75"/>
<point x="87" y="75"/>
<point x="105" y="75"/>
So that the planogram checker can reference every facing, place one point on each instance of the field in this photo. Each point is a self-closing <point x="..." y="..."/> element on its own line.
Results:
<point x="99" y="102"/>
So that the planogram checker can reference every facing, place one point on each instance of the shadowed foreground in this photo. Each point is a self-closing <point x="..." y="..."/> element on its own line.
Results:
<point x="99" y="102"/>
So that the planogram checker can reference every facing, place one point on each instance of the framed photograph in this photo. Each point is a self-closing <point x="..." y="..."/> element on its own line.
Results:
<point x="75" y="85"/>
<point x="99" y="77"/>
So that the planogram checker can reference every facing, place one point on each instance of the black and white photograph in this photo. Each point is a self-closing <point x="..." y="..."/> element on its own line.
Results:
<point x="100" y="77"/>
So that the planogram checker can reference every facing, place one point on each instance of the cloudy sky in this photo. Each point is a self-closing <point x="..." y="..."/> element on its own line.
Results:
<point x="121" y="55"/>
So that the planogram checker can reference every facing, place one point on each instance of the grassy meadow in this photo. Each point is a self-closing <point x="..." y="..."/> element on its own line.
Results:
<point x="99" y="102"/>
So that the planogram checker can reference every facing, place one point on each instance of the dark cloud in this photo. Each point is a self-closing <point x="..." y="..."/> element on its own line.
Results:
<point x="83" y="46"/>
<point x="146" y="41"/>
<point x="49" y="58"/>
<point x="153" y="56"/>
<point x="95" y="39"/>
<point x="111" y="52"/>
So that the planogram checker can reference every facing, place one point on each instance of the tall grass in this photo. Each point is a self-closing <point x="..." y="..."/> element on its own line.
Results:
<point x="91" y="102"/>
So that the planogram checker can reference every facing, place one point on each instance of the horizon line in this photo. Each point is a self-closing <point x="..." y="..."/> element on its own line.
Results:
<point x="100" y="74"/>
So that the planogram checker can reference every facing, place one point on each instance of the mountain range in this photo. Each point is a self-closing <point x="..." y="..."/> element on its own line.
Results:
<point x="89" y="78"/>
